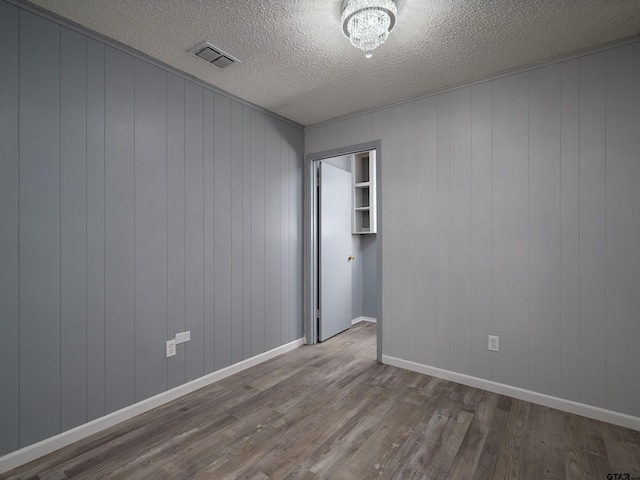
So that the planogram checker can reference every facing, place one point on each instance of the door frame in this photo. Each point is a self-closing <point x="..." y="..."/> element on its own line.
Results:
<point x="310" y="261"/>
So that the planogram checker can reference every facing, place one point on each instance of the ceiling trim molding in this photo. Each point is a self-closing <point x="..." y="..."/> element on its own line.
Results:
<point x="571" y="56"/>
<point x="36" y="10"/>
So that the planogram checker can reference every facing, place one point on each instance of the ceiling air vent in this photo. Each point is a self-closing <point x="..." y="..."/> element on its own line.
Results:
<point x="213" y="55"/>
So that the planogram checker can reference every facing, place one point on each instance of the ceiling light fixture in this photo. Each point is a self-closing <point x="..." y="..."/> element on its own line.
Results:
<point x="367" y="23"/>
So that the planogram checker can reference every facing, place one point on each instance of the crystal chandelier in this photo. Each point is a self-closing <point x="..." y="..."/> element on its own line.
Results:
<point x="367" y="23"/>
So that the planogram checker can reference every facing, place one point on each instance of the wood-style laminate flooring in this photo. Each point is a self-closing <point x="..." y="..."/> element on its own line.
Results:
<point x="331" y="411"/>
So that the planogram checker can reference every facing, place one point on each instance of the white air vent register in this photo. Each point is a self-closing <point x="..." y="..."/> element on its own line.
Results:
<point x="213" y="55"/>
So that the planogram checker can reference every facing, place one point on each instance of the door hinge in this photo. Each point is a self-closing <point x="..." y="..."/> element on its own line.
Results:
<point x="317" y="313"/>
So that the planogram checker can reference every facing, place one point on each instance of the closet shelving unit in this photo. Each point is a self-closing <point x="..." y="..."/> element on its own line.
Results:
<point x="363" y="175"/>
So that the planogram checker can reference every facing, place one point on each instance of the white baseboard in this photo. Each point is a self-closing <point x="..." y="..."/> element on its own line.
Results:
<point x="31" y="452"/>
<point x="597" y="413"/>
<point x="363" y="319"/>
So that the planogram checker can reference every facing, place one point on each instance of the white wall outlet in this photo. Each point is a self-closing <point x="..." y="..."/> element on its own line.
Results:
<point x="183" y="337"/>
<point x="494" y="343"/>
<point x="171" y="348"/>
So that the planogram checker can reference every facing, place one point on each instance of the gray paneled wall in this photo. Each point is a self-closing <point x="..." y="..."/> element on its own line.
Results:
<point x="510" y="207"/>
<point x="10" y="230"/>
<point x="134" y="204"/>
<point x="369" y="262"/>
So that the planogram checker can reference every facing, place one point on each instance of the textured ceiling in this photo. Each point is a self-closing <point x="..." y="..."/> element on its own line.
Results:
<point x="297" y="63"/>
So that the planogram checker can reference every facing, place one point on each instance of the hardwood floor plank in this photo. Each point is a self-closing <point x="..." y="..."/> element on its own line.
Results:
<point x="510" y="455"/>
<point x="584" y="434"/>
<point x="543" y="453"/>
<point x="623" y="450"/>
<point x="446" y="452"/>
<point x="490" y="450"/>
<point x="330" y="411"/>
<point x="505" y="403"/>
<point x="466" y="461"/>
<point x="339" y="448"/>
<point x="374" y="458"/>
<point x="584" y="465"/>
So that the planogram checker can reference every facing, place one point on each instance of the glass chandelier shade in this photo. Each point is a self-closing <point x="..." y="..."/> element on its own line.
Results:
<point x="367" y="23"/>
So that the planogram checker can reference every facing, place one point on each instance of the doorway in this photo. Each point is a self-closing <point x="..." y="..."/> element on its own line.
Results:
<point x="367" y="249"/>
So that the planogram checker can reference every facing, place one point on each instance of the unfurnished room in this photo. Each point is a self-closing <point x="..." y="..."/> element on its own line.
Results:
<point x="337" y="239"/>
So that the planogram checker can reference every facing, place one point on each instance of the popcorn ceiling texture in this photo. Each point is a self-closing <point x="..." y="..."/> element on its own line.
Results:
<point x="297" y="63"/>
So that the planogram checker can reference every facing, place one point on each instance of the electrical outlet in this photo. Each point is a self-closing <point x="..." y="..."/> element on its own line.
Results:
<point x="171" y="348"/>
<point x="494" y="343"/>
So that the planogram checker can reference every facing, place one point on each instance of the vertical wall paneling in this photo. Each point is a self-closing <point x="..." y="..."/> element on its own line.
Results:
<point x="176" y="231"/>
<point x="150" y="229"/>
<point x="9" y="236"/>
<point x="408" y="215"/>
<point x="299" y="155"/>
<point x="623" y="228"/>
<point x="544" y="230"/>
<point x="369" y="263"/>
<point x="592" y="229"/>
<point x="460" y="225"/>
<point x="247" y="244"/>
<point x="39" y="229"/>
<point x="539" y="232"/>
<point x="481" y="231"/>
<point x="119" y="229"/>
<point x="237" y="237"/>
<point x="285" y="223"/>
<point x="426" y="200"/>
<point x="258" y="261"/>
<point x="223" y="246"/>
<point x="209" y="258"/>
<point x="272" y="233"/>
<point x="135" y="204"/>
<point x="394" y="237"/>
<point x="296" y="176"/>
<point x="381" y="130"/>
<point x="570" y="229"/>
<point x="194" y="228"/>
<point x="295" y="179"/>
<point x="95" y="231"/>
<point x="510" y="227"/>
<point x="175" y="225"/>
<point x="73" y="226"/>
<point x="443" y="227"/>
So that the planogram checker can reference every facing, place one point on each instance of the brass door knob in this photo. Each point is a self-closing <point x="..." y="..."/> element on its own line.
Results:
<point x="351" y="257"/>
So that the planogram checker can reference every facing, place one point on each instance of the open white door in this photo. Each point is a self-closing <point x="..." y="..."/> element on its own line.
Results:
<point x="334" y="251"/>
